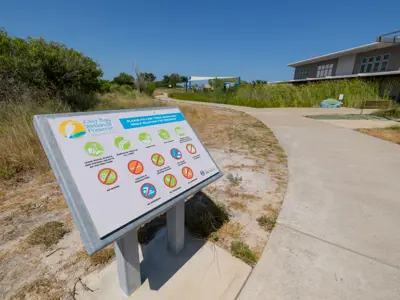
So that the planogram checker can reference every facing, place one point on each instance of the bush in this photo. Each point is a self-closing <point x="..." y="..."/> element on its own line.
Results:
<point x="105" y="86"/>
<point x="124" y="79"/>
<point x="125" y="90"/>
<point x="50" y="67"/>
<point x="287" y="95"/>
<point x="149" y="90"/>
<point x="242" y="251"/>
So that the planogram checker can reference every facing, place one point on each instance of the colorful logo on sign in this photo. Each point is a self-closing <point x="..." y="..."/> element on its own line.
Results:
<point x="179" y="131"/>
<point x="187" y="172"/>
<point x="191" y="149"/>
<point x="157" y="159"/>
<point x="148" y="190"/>
<point x="135" y="167"/>
<point x="122" y="143"/>
<point x="170" y="180"/>
<point x="107" y="176"/>
<point x="175" y="153"/>
<point x="145" y="138"/>
<point x="164" y="134"/>
<point x="94" y="149"/>
<point x="72" y="129"/>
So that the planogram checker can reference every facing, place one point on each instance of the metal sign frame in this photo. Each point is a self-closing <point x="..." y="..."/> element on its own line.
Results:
<point x="79" y="212"/>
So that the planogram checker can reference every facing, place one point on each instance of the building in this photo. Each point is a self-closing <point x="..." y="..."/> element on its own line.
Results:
<point x="380" y="60"/>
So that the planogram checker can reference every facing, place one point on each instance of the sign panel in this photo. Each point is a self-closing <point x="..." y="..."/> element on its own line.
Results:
<point x="125" y="164"/>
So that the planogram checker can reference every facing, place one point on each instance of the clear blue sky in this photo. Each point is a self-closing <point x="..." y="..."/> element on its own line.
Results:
<point x="254" y="39"/>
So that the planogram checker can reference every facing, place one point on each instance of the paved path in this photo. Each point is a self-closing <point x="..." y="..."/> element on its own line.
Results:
<point x="338" y="233"/>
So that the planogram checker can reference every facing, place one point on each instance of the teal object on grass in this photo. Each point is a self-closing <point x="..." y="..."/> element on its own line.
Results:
<point x="331" y="103"/>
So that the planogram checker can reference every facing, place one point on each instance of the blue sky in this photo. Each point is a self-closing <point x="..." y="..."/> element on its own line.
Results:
<point x="254" y="39"/>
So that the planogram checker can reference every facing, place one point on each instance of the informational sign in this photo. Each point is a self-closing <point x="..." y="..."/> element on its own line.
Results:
<point x="125" y="164"/>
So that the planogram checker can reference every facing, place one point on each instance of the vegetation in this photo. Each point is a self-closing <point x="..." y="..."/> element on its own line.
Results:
<point x="391" y="134"/>
<point x="48" y="234"/>
<point x="38" y="70"/>
<point x="267" y="222"/>
<point x="242" y="251"/>
<point x="391" y="113"/>
<point x="124" y="79"/>
<point x="287" y="95"/>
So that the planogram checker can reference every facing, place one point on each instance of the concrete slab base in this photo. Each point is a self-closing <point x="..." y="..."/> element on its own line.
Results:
<point x="201" y="271"/>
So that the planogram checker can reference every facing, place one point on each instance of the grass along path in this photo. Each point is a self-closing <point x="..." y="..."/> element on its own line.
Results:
<point x="41" y="253"/>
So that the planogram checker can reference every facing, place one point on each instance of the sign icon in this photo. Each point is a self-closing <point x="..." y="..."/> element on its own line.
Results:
<point x="170" y="180"/>
<point x="94" y="149"/>
<point x="191" y="149"/>
<point x="175" y="153"/>
<point x="157" y="159"/>
<point x="135" y="167"/>
<point x="107" y="176"/>
<point x="179" y="131"/>
<point x="145" y="138"/>
<point x="122" y="143"/>
<point x="164" y="134"/>
<point x="148" y="190"/>
<point x="72" y="129"/>
<point x="187" y="172"/>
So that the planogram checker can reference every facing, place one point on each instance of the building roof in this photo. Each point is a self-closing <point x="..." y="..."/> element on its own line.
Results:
<point x="361" y="75"/>
<point x="333" y="55"/>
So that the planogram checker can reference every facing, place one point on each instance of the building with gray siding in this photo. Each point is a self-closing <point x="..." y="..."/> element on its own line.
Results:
<point x="379" y="60"/>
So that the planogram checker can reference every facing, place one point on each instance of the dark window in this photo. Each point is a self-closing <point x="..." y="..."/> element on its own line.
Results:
<point x="363" y="60"/>
<point x="376" y="67"/>
<point x="386" y="56"/>
<point x="378" y="58"/>
<point x="383" y="66"/>
<point x="362" y="70"/>
<point x="371" y="59"/>
<point x="369" y="67"/>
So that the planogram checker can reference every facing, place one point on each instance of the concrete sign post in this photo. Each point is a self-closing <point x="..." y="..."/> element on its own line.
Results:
<point x="120" y="169"/>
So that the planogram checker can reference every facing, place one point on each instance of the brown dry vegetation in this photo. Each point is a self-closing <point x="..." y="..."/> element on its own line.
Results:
<point x="391" y="134"/>
<point x="30" y="199"/>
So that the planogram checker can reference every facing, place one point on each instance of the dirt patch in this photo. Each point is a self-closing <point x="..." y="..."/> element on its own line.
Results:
<point x="255" y="177"/>
<point x="391" y="134"/>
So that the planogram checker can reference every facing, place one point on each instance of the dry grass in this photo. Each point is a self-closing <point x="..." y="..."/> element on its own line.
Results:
<point x="242" y="251"/>
<point x="230" y="230"/>
<point x="391" y="134"/>
<point x="102" y="257"/>
<point x="238" y="205"/>
<point x="203" y="216"/>
<point x="42" y="288"/>
<point x="48" y="234"/>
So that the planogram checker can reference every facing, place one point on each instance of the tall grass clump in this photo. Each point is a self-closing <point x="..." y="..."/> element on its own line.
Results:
<point x="287" y="95"/>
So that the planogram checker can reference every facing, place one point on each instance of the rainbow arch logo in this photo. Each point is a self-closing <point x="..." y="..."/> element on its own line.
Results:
<point x="72" y="129"/>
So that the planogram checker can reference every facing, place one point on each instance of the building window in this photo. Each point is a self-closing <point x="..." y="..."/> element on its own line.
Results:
<point x="374" y="64"/>
<point x="324" y="70"/>
<point x="302" y="74"/>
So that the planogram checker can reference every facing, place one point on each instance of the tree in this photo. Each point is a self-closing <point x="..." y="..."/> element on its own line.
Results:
<point x="149" y="77"/>
<point x="174" y="78"/>
<point x="259" y="82"/>
<point x="124" y="79"/>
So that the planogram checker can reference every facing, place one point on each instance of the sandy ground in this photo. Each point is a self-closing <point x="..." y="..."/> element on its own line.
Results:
<point x="254" y="183"/>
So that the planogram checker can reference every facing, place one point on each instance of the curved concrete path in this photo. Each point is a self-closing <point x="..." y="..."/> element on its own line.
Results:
<point x="338" y="233"/>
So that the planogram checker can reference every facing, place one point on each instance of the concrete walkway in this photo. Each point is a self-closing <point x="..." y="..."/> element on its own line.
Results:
<point x="338" y="233"/>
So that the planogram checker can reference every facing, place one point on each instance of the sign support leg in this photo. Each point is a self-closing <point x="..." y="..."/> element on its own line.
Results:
<point x="128" y="264"/>
<point x="176" y="227"/>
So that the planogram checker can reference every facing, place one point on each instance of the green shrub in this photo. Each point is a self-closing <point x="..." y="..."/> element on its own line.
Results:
<point x="124" y="79"/>
<point x="125" y="90"/>
<point x="242" y="251"/>
<point x="52" y="68"/>
<point x="287" y="95"/>
<point x="149" y="90"/>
